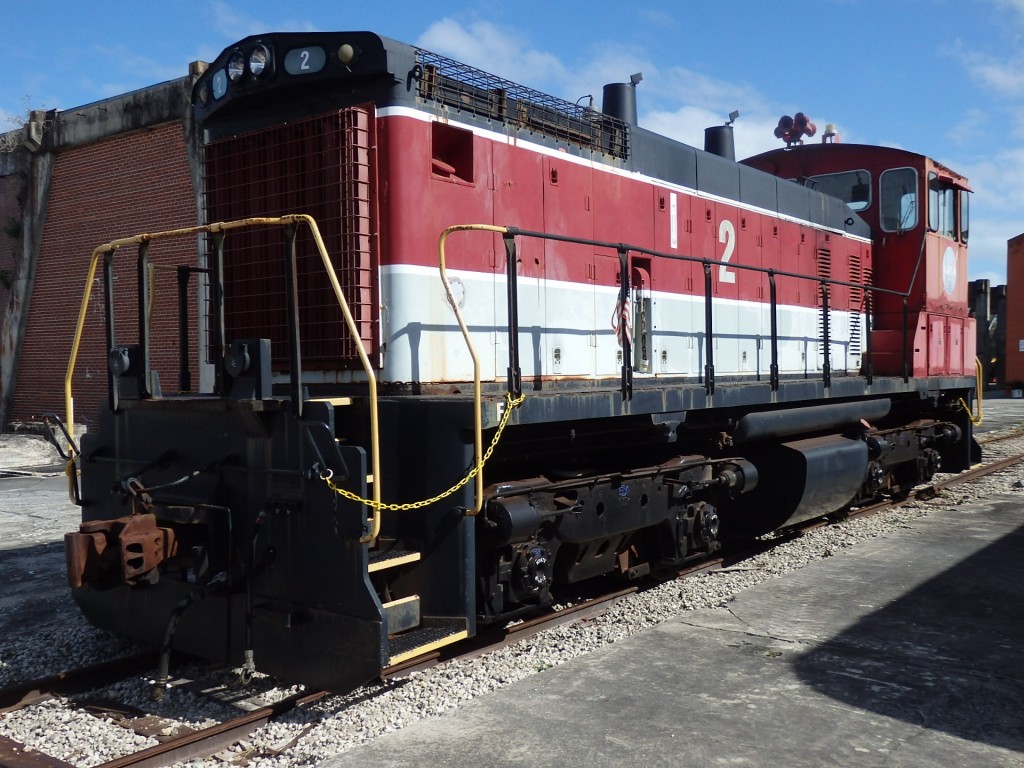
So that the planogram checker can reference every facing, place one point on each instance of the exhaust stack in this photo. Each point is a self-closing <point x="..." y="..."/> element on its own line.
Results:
<point x="619" y="99"/>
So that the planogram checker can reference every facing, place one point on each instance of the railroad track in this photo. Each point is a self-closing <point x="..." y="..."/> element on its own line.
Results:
<point x="205" y="742"/>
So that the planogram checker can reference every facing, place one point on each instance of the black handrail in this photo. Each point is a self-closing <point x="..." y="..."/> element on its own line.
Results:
<point x="623" y="249"/>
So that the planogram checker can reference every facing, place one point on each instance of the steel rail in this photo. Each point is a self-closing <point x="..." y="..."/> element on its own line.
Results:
<point x="208" y="741"/>
<point x="24" y="694"/>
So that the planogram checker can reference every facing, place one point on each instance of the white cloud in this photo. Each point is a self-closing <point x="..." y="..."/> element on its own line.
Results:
<point x="753" y="133"/>
<point x="142" y="70"/>
<point x="988" y="249"/>
<point x="1014" y="5"/>
<point x="996" y="208"/>
<point x="1005" y="78"/>
<point x="235" y="24"/>
<point x="501" y="51"/>
<point x="681" y="85"/>
<point x="973" y="121"/>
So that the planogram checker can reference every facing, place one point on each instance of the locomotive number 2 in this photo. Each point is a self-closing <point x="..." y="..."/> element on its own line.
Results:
<point x="726" y="236"/>
<point x="304" y="55"/>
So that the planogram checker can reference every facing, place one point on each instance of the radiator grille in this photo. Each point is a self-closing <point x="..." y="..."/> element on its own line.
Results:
<point x="857" y="303"/>
<point x="323" y="166"/>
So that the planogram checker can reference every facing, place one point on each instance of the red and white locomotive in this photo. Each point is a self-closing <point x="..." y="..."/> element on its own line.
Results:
<point x="659" y="347"/>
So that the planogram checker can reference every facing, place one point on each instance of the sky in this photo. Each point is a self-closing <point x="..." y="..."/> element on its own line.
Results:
<point x="944" y="78"/>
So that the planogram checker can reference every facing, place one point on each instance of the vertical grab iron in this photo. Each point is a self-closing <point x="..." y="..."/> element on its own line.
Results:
<point x="624" y="321"/>
<point x="709" y="332"/>
<point x="773" y="375"/>
<point x="515" y="373"/>
<point x="291" y="278"/>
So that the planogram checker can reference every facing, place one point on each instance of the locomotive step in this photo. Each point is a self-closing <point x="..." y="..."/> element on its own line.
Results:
<point x="435" y="633"/>
<point x="402" y="614"/>
<point x="391" y="558"/>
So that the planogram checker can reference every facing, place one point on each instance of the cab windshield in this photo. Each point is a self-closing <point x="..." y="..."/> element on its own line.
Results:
<point x="898" y="199"/>
<point x="852" y="187"/>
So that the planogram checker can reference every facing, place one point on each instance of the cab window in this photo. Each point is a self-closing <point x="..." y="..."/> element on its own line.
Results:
<point x="941" y="206"/>
<point x="965" y="221"/>
<point x="898" y="199"/>
<point x="852" y="187"/>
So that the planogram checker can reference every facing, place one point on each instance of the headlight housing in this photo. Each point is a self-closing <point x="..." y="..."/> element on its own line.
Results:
<point x="259" y="60"/>
<point x="236" y="66"/>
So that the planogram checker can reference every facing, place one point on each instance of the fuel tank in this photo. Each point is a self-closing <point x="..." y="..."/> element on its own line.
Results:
<point x="799" y="480"/>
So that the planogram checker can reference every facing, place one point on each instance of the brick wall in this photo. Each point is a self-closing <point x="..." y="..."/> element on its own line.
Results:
<point x="118" y="187"/>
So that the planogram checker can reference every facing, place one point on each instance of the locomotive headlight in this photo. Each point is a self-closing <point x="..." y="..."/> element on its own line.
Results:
<point x="258" y="60"/>
<point x="204" y="94"/>
<point x="236" y="66"/>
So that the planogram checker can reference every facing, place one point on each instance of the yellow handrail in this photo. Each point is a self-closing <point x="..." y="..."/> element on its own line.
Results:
<point x="226" y="226"/>
<point x="980" y="388"/>
<point x="478" y="430"/>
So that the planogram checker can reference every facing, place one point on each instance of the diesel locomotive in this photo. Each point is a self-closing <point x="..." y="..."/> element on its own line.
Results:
<point x="461" y="345"/>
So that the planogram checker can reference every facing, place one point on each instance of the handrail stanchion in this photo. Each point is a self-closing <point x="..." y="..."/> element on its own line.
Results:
<point x="219" y="323"/>
<point x="709" y="333"/>
<point x="624" y="320"/>
<point x="291" y="281"/>
<point x="515" y="372"/>
<point x="773" y="376"/>
<point x="906" y="341"/>
<point x="869" y="370"/>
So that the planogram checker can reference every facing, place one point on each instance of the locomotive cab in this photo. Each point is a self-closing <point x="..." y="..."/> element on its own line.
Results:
<point x="918" y="211"/>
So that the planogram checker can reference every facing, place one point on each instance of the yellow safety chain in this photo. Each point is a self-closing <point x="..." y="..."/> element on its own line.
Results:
<point x="975" y="420"/>
<point x="512" y="402"/>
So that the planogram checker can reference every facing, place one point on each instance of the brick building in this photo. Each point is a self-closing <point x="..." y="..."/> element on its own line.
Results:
<point x="80" y="178"/>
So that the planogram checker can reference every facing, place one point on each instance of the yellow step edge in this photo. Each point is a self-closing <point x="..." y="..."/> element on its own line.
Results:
<point x="394" y="562"/>
<point x="337" y="402"/>
<point x="401" y="600"/>
<point x="419" y="651"/>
